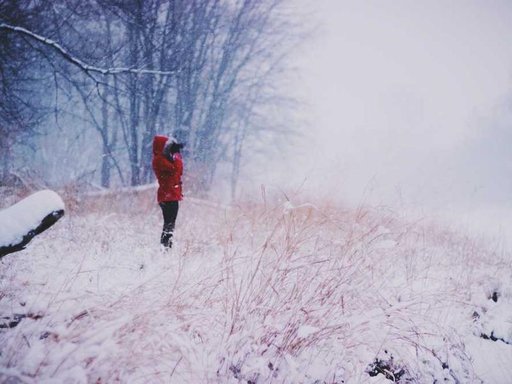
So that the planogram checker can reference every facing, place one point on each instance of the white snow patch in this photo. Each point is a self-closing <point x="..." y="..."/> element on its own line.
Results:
<point x="17" y="220"/>
<point x="306" y="330"/>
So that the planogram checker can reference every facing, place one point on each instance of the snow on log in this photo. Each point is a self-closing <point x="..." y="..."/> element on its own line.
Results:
<point x="28" y="218"/>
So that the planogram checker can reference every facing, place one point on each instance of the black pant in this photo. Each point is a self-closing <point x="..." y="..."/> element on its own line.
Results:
<point x="170" y="212"/>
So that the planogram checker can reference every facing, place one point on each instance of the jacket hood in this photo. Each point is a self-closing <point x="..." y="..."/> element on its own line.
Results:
<point x="159" y="144"/>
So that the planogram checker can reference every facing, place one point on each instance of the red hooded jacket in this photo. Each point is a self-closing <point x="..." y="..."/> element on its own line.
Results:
<point x="168" y="173"/>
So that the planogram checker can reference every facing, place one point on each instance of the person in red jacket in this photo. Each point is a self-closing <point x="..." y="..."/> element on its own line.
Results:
<point x="168" y="167"/>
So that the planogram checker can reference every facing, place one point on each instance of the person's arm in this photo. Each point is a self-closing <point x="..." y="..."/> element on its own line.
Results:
<point x="178" y="162"/>
<point x="165" y="165"/>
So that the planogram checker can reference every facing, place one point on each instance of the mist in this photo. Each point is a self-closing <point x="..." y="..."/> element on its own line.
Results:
<point x="401" y="104"/>
<point x="408" y="105"/>
<point x="255" y="191"/>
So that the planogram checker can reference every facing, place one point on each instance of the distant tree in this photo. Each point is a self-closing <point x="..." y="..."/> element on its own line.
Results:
<point x="235" y="61"/>
<point x="204" y="70"/>
<point x="230" y="76"/>
<point x="21" y="107"/>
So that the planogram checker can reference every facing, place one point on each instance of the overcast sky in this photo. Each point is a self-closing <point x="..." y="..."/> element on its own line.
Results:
<point x="409" y="100"/>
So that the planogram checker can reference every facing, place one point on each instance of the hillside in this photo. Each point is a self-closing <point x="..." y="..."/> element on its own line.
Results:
<point x="266" y="292"/>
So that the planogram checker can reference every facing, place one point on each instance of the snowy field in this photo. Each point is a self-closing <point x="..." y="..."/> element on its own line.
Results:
<point x="269" y="292"/>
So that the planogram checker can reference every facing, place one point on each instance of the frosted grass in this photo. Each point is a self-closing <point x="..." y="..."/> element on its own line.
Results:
<point x="260" y="293"/>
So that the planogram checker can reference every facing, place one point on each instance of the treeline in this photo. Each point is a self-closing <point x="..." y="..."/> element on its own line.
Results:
<point x="110" y="74"/>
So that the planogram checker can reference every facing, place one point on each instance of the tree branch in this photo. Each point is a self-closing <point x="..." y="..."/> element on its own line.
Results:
<point x="77" y="62"/>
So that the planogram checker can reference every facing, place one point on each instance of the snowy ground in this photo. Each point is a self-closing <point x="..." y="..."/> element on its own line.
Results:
<point x="264" y="293"/>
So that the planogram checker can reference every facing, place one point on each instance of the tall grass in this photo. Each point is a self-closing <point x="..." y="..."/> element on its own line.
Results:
<point x="250" y="293"/>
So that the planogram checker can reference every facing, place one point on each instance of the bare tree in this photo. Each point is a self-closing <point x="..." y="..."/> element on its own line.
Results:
<point x="21" y="110"/>
<point x="246" y="55"/>
<point x="204" y="70"/>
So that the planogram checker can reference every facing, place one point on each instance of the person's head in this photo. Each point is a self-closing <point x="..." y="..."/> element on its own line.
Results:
<point x="172" y="146"/>
<point x="176" y="147"/>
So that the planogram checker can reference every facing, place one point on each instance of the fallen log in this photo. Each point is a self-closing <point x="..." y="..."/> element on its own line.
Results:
<point x="20" y="223"/>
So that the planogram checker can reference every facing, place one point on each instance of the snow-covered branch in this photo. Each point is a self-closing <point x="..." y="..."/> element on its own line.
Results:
<point x="77" y="62"/>
<point x="26" y="219"/>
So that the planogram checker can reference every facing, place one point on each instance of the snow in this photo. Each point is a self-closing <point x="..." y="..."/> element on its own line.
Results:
<point x="16" y="221"/>
<point x="306" y="330"/>
<point x="253" y="293"/>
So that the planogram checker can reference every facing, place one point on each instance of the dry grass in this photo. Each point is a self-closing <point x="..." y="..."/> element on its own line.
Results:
<point x="251" y="293"/>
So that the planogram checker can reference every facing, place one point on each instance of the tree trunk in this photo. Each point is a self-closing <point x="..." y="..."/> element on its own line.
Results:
<point x="5" y="150"/>
<point x="133" y="150"/>
<point x="106" y="157"/>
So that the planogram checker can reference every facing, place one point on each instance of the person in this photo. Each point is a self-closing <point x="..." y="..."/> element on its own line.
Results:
<point x="168" y="168"/>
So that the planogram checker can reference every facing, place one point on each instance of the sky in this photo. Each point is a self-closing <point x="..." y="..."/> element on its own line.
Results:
<point x="407" y="103"/>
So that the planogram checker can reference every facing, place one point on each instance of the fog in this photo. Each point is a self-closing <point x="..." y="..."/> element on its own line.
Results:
<point x="408" y="105"/>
